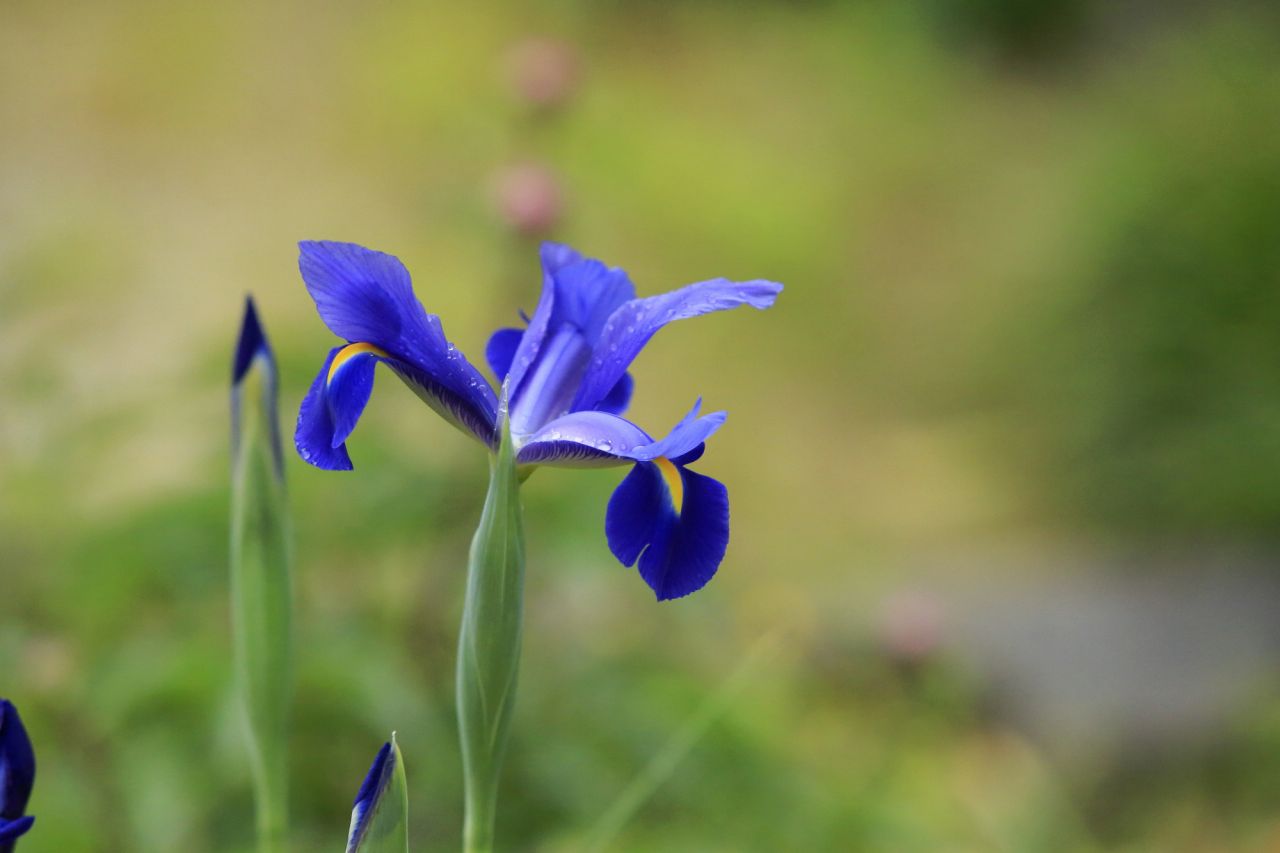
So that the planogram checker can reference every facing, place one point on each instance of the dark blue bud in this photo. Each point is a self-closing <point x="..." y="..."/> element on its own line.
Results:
<point x="17" y="774"/>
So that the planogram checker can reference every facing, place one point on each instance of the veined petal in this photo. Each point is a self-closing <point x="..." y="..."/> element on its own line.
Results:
<point x="598" y="439"/>
<point x="579" y="295"/>
<point x="315" y="431"/>
<point x="362" y="295"/>
<point x="367" y="298"/>
<point x="553" y="256"/>
<point x="674" y="521"/>
<point x="631" y="326"/>
<point x="583" y="440"/>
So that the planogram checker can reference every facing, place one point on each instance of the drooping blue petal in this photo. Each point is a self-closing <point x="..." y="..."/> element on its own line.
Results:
<point x="596" y="439"/>
<point x="674" y="521"/>
<point x="637" y="507"/>
<point x="500" y="352"/>
<point x="314" y="434"/>
<point x="617" y="400"/>
<point x="366" y="297"/>
<point x="579" y="295"/>
<point x="17" y="774"/>
<point x="362" y="295"/>
<point x="349" y="387"/>
<point x="633" y="323"/>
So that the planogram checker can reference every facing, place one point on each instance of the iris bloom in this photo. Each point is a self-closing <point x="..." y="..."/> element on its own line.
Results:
<point x="566" y="383"/>
<point x="17" y="774"/>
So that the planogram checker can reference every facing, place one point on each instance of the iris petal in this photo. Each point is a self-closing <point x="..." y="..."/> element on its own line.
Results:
<point x="362" y="295"/>
<point x="617" y="400"/>
<point x="366" y="297"/>
<point x="500" y="352"/>
<point x="10" y="830"/>
<point x="553" y="256"/>
<point x="631" y="326"/>
<point x="314" y="434"/>
<point x="636" y="508"/>
<point x="684" y="437"/>
<point x="375" y="784"/>
<point x="348" y="393"/>
<point x="251" y="343"/>
<point x="680" y="548"/>
<point x="583" y="439"/>
<point x="596" y="439"/>
<point x="17" y="763"/>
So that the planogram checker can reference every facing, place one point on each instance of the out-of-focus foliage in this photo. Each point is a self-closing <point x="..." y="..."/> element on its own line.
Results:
<point x="1027" y="302"/>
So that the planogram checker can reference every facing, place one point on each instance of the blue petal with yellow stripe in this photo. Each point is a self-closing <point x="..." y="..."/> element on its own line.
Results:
<point x="567" y="384"/>
<point x="366" y="297"/>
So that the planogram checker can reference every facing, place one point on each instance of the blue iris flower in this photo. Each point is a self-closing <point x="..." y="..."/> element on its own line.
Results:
<point x="17" y="774"/>
<point x="567" y="386"/>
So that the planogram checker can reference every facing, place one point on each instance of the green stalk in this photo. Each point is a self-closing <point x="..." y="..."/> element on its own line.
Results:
<point x="489" y="645"/>
<point x="261" y="554"/>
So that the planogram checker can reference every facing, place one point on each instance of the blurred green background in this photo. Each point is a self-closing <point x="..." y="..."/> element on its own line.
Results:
<point x="1003" y="458"/>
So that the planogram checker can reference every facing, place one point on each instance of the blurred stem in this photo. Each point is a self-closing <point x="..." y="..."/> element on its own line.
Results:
<point x="489" y="645"/>
<point x="261" y="600"/>
<point x="666" y="760"/>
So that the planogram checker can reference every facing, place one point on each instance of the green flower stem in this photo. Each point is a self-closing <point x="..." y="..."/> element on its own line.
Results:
<point x="489" y="645"/>
<point x="261" y="599"/>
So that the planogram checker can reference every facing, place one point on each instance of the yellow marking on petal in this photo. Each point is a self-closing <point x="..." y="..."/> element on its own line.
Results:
<point x="347" y="353"/>
<point x="675" y="484"/>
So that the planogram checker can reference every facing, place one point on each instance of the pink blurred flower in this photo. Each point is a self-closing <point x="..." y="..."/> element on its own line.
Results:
<point x="528" y="198"/>
<point x="543" y="71"/>
<point x="911" y="625"/>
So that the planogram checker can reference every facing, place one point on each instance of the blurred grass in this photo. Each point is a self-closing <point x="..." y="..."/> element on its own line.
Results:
<point x="1030" y="299"/>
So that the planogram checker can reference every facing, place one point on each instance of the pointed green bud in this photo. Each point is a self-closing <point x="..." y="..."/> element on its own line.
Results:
<point x="260" y="574"/>
<point x="380" y="817"/>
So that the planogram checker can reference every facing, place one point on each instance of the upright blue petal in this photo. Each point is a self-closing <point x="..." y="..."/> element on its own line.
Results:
<point x="251" y="344"/>
<point x="375" y="782"/>
<point x="17" y="776"/>
<point x="379" y="817"/>
<point x="366" y="297"/>
<point x="631" y="326"/>
<point x="500" y="352"/>
<point x="579" y="295"/>
<point x="253" y="348"/>
<point x="674" y="521"/>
